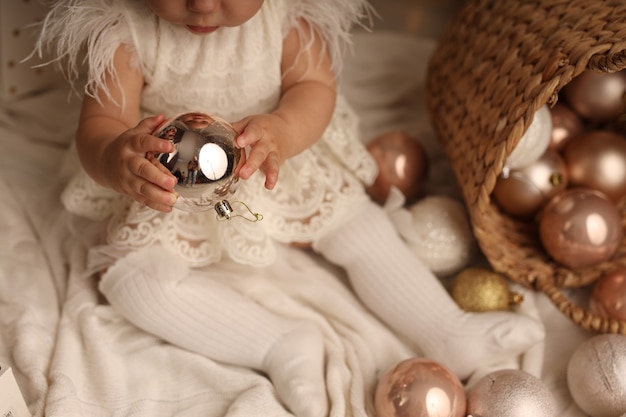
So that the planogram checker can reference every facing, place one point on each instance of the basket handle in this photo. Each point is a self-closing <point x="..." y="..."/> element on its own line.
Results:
<point x="584" y="318"/>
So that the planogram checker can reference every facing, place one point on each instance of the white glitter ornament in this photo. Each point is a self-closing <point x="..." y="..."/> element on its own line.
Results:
<point x="510" y="393"/>
<point x="596" y="375"/>
<point x="440" y="234"/>
<point x="533" y="143"/>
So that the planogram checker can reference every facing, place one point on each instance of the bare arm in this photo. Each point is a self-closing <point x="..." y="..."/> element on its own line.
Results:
<point x="112" y="142"/>
<point x="304" y="111"/>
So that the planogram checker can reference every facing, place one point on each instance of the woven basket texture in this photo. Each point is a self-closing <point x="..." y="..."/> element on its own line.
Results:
<point x="496" y="63"/>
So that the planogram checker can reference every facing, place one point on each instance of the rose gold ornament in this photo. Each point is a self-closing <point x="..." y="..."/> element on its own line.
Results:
<point x="480" y="289"/>
<point x="580" y="227"/>
<point x="597" y="160"/>
<point x="419" y="387"/>
<point x="608" y="299"/>
<point x="596" y="375"/>
<point x="510" y="393"/>
<point x="526" y="189"/>
<point x="597" y="96"/>
<point x="402" y="162"/>
<point x="206" y="159"/>
<point x="566" y="124"/>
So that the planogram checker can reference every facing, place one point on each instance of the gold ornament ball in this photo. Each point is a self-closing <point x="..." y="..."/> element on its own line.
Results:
<point x="480" y="289"/>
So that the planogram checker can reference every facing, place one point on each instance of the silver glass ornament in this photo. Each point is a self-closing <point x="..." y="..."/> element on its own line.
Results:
<point x="206" y="161"/>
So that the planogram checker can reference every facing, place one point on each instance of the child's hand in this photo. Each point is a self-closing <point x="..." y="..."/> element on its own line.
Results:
<point x="129" y="166"/>
<point x="264" y="134"/>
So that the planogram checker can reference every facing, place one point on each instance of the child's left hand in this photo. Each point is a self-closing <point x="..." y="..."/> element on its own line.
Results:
<point x="266" y="135"/>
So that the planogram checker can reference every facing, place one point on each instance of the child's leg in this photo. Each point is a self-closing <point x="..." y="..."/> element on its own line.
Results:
<point x="158" y="293"/>
<point x="390" y="279"/>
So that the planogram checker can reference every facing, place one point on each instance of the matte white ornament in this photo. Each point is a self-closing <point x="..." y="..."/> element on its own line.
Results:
<point x="533" y="143"/>
<point x="596" y="375"/>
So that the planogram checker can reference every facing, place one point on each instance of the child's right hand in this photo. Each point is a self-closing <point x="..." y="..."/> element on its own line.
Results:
<point x="129" y="166"/>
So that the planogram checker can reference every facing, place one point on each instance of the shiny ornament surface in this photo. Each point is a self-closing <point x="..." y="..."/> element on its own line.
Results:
<point x="419" y="387"/>
<point x="205" y="161"/>
<point x="580" y="227"/>
<point x="480" y="289"/>
<point x="597" y="96"/>
<point x="402" y="162"/>
<point x="566" y="124"/>
<point x="510" y="393"/>
<point x="533" y="143"/>
<point x="597" y="160"/>
<point x="525" y="190"/>
<point x="442" y="235"/>
<point x="596" y="375"/>
<point x="608" y="298"/>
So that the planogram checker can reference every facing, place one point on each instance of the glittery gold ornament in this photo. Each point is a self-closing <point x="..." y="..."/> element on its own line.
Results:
<point x="480" y="289"/>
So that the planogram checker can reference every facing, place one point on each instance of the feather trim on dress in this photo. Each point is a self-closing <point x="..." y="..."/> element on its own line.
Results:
<point x="83" y="35"/>
<point x="333" y="21"/>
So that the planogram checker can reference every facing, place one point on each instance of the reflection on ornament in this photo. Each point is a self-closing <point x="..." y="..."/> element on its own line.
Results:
<point x="480" y="290"/>
<point x="596" y="375"/>
<point x="525" y="190"/>
<point x="597" y="96"/>
<point x="442" y="237"/>
<point x="580" y="227"/>
<point x="419" y="387"/>
<point x="510" y="393"/>
<point x="566" y="124"/>
<point x="597" y="160"/>
<point x="402" y="162"/>
<point x="608" y="299"/>
<point x="205" y="160"/>
<point x="533" y="143"/>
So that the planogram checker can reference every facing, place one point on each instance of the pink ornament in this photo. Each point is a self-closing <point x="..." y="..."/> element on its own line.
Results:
<point x="206" y="160"/>
<point x="566" y="124"/>
<point x="597" y="159"/>
<point x="608" y="299"/>
<point x="580" y="227"/>
<point x="525" y="190"/>
<point x="419" y="387"/>
<point x="402" y="162"/>
<point x="597" y="96"/>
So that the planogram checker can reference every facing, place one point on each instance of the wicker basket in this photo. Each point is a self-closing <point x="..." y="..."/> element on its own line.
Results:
<point x="496" y="63"/>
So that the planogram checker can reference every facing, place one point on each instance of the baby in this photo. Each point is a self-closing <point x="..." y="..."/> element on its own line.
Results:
<point x="270" y="68"/>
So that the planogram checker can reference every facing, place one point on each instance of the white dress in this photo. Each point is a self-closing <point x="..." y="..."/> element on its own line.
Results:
<point x="231" y="73"/>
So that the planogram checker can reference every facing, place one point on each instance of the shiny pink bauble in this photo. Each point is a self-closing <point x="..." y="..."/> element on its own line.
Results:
<point x="597" y="159"/>
<point x="597" y="96"/>
<point x="419" y="387"/>
<point x="566" y="124"/>
<point x="402" y="162"/>
<point x="608" y="299"/>
<point x="525" y="190"/>
<point x="580" y="227"/>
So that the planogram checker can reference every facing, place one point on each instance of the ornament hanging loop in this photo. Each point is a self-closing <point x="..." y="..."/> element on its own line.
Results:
<point x="225" y="212"/>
